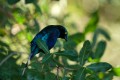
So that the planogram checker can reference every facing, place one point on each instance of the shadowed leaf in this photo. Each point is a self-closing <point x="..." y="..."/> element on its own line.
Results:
<point x="84" y="52"/>
<point x="37" y="8"/>
<point x="50" y="76"/>
<point x="29" y="1"/>
<point x="74" y="40"/>
<point x="100" y="67"/>
<point x="71" y="54"/>
<point x="80" y="74"/>
<point x="77" y="38"/>
<point x="46" y="58"/>
<point x="95" y="37"/>
<point x="100" y="50"/>
<point x="108" y="76"/>
<point x="11" y="2"/>
<point x="105" y="34"/>
<point x="92" y="77"/>
<point x="42" y="45"/>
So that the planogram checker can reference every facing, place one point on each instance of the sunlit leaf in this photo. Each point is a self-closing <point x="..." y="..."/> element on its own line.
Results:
<point x="19" y="18"/>
<point x="84" y="52"/>
<point x="92" y="24"/>
<point x="117" y="71"/>
<point x="3" y="32"/>
<point x="29" y="36"/>
<point x="100" y="67"/>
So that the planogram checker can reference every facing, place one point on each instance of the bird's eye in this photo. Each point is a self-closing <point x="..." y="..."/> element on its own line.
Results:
<point x="65" y="32"/>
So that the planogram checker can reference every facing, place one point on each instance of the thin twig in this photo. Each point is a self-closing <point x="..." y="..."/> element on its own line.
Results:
<point x="57" y="77"/>
<point x="6" y="58"/>
<point x="69" y="68"/>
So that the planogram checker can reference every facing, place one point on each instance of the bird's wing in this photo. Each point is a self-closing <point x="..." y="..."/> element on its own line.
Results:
<point x="52" y="38"/>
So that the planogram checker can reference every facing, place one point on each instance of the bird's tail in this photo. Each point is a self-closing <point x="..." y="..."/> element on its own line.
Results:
<point x="26" y="65"/>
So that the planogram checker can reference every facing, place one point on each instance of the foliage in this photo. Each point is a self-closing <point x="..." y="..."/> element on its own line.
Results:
<point x="18" y="26"/>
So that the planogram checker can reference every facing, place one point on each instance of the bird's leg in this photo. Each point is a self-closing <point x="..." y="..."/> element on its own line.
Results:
<point x="24" y="68"/>
<point x="26" y="65"/>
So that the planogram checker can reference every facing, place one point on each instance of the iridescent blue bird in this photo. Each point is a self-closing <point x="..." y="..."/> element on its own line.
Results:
<point x="49" y="35"/>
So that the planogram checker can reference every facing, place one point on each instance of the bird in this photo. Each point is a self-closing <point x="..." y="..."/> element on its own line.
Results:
<point x="49" y="35"/>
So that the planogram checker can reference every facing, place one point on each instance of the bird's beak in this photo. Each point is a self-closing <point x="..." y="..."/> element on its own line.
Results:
<point x="66" y="38"/>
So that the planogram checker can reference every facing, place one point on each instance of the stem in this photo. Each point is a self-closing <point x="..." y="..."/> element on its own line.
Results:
<point x="57" y="77"/>
<point x="6" y="58"/>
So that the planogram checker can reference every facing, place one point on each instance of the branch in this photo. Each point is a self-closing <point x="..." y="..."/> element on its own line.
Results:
<point x="7" y="57"/>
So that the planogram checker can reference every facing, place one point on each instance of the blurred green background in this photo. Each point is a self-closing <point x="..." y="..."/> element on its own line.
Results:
<point x="20" y="20"/>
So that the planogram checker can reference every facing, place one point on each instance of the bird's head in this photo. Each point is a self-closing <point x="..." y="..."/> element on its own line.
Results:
<point x="63" y="32"/>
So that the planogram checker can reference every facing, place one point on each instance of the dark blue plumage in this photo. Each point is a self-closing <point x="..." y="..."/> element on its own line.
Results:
<point x="49" y="34"/>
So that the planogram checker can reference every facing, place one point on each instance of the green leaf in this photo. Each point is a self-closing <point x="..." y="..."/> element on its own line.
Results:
<point x="116" y="71"/>
<point x="77" y="38"/>
<point x="79" y="74"/>
<point x="50" y="76"/>
<point x="100" y="49"/>
<point x="84" y="52"/>
<point x="29" y="36"/>
<point x="4" y="44"/>
<point x="99" y="67"/>
<point x="29" y="1"/>
<point x="95" y="37"/>
<point x="47" y="58"/>
<point x="66" y="78"/>
<point x="37" y="8"/>
<point x="11" y="2"/>
<point x="3" y="32"/>
<point x="108" y="76"/>
<point x="42" y="45"/>
<point x="74" y="40"/>
<point x="105" y="34"/>
<point x="57" y="62"/>
<point x="36" y="65"/>
<point x="35" y="75"/>
<point x="92" y="77"/>
<point x="92" y="24"/>
<point x="19" y="15"/>
<point x="37" y="27"/>
<point x="71" y="54"/>
<point x="74" y="67"/>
